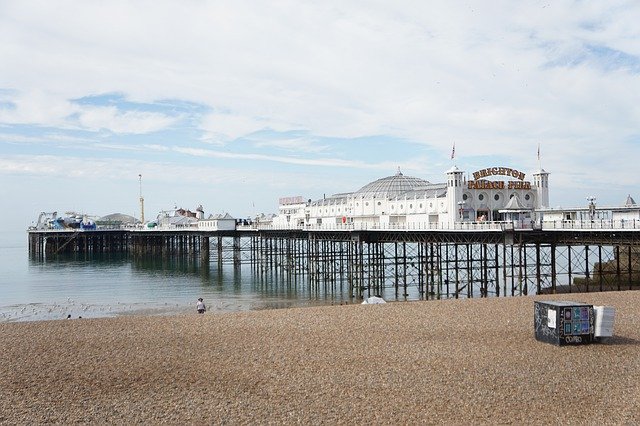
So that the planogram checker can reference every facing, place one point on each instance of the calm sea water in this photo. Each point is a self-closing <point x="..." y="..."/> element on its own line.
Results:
<point x="118" y="285"/>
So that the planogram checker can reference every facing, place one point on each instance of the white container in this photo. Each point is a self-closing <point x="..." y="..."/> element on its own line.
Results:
<point x="604" y="321"/>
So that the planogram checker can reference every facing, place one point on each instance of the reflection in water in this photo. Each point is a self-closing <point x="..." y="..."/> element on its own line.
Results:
<point x="115" y="284"/>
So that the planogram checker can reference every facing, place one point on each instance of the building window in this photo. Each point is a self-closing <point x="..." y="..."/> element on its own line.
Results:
<point x="480" y="197"/>
<point x="430" y="205"/>
<point x="366" y="204"/>
<point x="527" y="197"/>
<point x="496" y="197"/>
<point x="410" y="206"/>
<point x="464" y="197"/>
<point x="379" y="203"/>
<point x="392" y="207"/>
<point x="401" y="206"/>
<point x="420" y="205"/>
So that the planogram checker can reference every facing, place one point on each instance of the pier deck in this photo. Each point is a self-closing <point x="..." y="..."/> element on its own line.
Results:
<point x="488" y="260"/>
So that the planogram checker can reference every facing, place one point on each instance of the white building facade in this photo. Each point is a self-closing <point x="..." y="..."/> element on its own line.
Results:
<point x="490" y="194"/>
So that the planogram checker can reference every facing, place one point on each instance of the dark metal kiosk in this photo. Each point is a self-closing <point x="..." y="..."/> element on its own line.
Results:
<point x="564" y="323"/>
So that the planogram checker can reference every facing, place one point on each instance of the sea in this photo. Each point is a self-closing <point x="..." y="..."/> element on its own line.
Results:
<point x="78" y="286"/>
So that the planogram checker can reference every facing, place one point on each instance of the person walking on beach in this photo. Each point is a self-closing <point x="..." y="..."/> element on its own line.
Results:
<point x="200" y="306"/>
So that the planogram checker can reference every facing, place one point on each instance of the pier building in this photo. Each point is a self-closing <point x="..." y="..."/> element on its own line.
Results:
<point x="488" y="195"/>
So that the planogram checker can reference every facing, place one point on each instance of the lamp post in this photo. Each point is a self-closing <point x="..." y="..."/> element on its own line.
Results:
<point x="592" y="206"/>
<point x="141" y="201"/>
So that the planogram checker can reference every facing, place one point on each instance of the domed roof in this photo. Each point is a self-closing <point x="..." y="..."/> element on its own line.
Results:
<point x="117" y="218"/>
<point x="391" y="186"/>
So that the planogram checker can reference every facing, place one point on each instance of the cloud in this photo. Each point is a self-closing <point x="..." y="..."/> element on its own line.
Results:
<point x="48" y="110"/>
<point x="301" y="143"/>
<point x="336" y="69"/>
<point x="129" y="122"/>
<point x="36" y="107"/>
<point x="324" y="162"/>
<point x="221" y="128"/>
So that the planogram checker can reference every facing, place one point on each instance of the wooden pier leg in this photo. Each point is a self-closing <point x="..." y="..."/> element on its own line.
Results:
<point x="538" y="272"/>
<point x="350" y="261"/>
<point x="496" y="266"/>
<point x="469" y="271"/>
<point x="447" y="281"/>
<point x="383" y="264"/>
<point x="504" y="269"/>
<point x="441" y="268"/>
<point x="372" y="268"/>
<point x="600" y="277"/>
<point x="520" y="272"/>
<point x="204" y="249"/>
<point x="526" y="271"/>
<point x="395" y="265"/>
<point x="361" y="267"/>
<point x="553" y="268"/>
<point x="420" y="262"/>
<point x="570" y="268"/>
<point x="513" y="272"/>
<point x="630" y="268"/>
<point x="457" y="268"/>
<point x="236" y="252"/>
<point x="404" y="269"/>
<point x="586" y="266"/>
<point x="484" y="253"/>
<point x="618" y="275"/>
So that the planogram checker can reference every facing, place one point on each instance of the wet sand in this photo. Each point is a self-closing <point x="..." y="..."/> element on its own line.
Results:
<point x="451" y="362"/>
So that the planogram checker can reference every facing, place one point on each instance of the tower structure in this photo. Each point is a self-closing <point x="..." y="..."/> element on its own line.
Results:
<point x="141" y="200"/>
<point x="541" y="185"/>
<point x="455" y="203"/>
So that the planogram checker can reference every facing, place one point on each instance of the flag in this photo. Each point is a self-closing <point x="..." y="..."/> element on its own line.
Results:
<point x="453" y="151"/>
<point x="538" y="152"/>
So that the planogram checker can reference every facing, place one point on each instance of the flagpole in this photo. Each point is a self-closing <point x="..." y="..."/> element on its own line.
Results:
<point x="539" y="163"/>
<point x="453" y="153"/>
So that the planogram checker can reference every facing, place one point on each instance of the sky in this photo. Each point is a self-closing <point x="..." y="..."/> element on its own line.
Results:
<point x="234" y="104"/>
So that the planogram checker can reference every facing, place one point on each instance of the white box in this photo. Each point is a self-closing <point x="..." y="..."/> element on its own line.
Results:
<point x="604" y="321"/>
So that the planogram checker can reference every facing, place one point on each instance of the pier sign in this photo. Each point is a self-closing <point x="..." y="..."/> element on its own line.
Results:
<point x="285" y="201"/>
<point x="495" y="171"/>
<point x="480" y="183"/>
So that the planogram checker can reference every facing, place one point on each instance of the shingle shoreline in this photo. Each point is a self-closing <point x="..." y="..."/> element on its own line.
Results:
<point x="452" y="361"/>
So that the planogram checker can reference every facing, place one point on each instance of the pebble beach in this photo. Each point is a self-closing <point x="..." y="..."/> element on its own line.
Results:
<point x="429" y="362"/>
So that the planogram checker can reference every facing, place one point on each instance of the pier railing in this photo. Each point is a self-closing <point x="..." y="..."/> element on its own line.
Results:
<point x="602" y="224"/>
<point x="375" y="226"/>
<point x="630" y="224"/>
<point x="498" y="226"/>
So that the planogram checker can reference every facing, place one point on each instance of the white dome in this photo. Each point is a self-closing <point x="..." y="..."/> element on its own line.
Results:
<point x="391" y="186"/>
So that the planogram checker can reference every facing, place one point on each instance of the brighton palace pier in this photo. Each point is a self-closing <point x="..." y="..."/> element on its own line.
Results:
<point x="401" y="201"/>
<point x="491" y="233"/>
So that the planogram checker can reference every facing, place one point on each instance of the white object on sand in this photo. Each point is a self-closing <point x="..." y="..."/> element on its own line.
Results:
<point x="373" y="301"/>
<point x="604" y="321"/>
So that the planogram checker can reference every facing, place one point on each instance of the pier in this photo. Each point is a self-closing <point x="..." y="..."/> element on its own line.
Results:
<point x="485" y="260"/>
